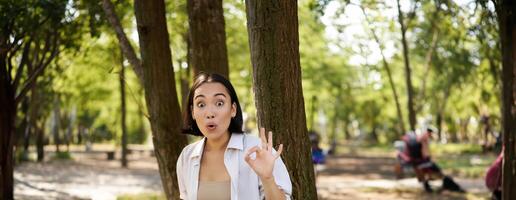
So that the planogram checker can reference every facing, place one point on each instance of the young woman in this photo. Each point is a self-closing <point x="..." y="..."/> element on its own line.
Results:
<point x="226" y="163"/>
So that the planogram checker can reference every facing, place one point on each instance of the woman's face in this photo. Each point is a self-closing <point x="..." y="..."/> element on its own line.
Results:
<point x="212" y="110"/>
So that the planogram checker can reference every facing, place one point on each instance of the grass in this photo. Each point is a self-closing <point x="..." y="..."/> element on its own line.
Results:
<point x="447" y="149"/>
<point x="411" y="193"/>
<point x="65" y="155"/>
<point x="465" y="160"/>
<point x="147" y="196"/>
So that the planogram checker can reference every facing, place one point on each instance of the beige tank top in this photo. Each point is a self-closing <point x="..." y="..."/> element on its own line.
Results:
<point x="214" y="190"/>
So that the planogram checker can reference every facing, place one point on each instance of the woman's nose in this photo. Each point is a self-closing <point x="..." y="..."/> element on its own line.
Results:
<point x="210" y="115"/>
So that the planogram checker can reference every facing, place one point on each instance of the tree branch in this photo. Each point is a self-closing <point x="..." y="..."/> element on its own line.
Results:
<point x="34" y="75"/>
<point x="126" y="47"/>
<point x="23" y="62"/>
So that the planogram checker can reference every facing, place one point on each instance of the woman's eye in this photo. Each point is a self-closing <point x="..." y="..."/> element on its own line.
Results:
<point x="200" y="105"/>
<point x="220" y="103"/>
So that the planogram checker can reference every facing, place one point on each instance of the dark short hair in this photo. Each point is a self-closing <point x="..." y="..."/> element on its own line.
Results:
<point x="189" y="125"/>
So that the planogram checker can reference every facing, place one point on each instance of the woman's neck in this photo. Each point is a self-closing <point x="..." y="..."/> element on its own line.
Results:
<point x="218" y="144"/>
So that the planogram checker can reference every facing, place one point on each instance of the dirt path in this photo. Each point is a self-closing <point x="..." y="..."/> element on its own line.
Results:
<point x="86" y="177"/>
<point x="93" y="177"/>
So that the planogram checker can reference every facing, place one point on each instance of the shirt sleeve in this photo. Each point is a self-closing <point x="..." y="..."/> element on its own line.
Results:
<point x="180" y="180"/>
<point x="282" y="179"/>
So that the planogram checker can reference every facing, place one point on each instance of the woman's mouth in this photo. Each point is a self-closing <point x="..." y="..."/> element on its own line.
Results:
<point x="211" y="126"/>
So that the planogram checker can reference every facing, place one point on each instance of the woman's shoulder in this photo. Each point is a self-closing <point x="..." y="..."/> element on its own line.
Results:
<point x="189" y="149"/>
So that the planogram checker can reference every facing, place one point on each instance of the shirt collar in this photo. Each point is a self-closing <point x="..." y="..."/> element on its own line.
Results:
<point x="235" y="142"/>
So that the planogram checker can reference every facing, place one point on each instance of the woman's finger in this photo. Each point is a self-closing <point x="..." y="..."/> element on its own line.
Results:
<point x="262" y="138"/>
<point x="280" y="149"/>
<point x="269" y="142"/>
<point x="248" y="153"/>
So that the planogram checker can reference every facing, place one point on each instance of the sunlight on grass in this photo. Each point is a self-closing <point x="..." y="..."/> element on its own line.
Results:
<point x="148" y="196"/>
<point x="446" y="149"/>
<point x="63" y="156"/>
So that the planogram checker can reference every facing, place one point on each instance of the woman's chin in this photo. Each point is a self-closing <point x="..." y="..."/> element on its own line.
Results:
<point x="214" y="134"/>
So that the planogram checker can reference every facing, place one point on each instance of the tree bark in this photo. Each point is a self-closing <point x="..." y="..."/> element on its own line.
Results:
<point x="160" y="90"/>
<point x="408" y="73"/>
<point x="507" y="23"/>
<point x="208" y="36"/>
<point x="274" y="42"/>
<point x="7" y="116"/>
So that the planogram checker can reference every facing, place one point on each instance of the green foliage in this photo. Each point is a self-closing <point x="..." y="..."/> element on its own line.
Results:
<point x="22" y="156"/>
<point x="345" y="85"/>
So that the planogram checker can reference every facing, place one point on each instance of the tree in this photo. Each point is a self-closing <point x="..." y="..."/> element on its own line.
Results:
<point x="208" y="37"/>
<point x="389" y="74"/>
<point x="43" y="29"/>
<point x="506" y="11"/>
<point x="408" y="70"/>
<point x="156" y="73"/>
<point x="274" y="42"/>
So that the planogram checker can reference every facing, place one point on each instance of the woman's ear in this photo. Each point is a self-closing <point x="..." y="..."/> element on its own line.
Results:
<point x="192" y="112"/>
<point x="233" y="110"/>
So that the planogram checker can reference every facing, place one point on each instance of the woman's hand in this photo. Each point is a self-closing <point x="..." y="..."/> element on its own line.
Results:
<point x="263" y="164"/>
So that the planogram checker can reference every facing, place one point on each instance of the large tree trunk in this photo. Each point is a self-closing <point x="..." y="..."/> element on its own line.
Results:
<point x="208" y="36"/>
<point x="160" y="90"/>
<point x="123" y="112"/>
<point x="408" y="73"/>
<point x="507" y="14"/>
<point x="274" y="41"/>
<point x="7" y="116"/>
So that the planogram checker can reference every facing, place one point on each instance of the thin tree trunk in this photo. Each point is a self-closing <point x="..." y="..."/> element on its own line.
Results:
<point x="56" y="124"/>
<point x="208" y="36"/>
<point x="401" y="122"/>
<point x="160" y="90"/>
<point x="439" y="123"/>
<point x="123" y="112"/>
<point x="408" y="73"/>
<point x="40" y="141"/>
<point x="23" y="130"/>
<point x="506" y="18"/>
<point x="440" y="112"/>
<point x="274" y="42"/>
<point x="124" y="43"/>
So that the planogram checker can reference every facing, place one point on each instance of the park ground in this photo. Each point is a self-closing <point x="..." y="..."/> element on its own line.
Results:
<point x="354" y="173"/>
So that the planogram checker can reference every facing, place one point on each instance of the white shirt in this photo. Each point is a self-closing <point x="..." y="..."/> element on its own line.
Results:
<point x="245" y="184"/>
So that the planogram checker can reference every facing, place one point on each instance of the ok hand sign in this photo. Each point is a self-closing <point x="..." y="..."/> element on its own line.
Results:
<point x="263" y="164"/>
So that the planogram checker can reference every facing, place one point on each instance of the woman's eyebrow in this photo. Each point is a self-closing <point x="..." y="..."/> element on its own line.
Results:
<point x="198" y="96"/>
<point x="222" y="94"/>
